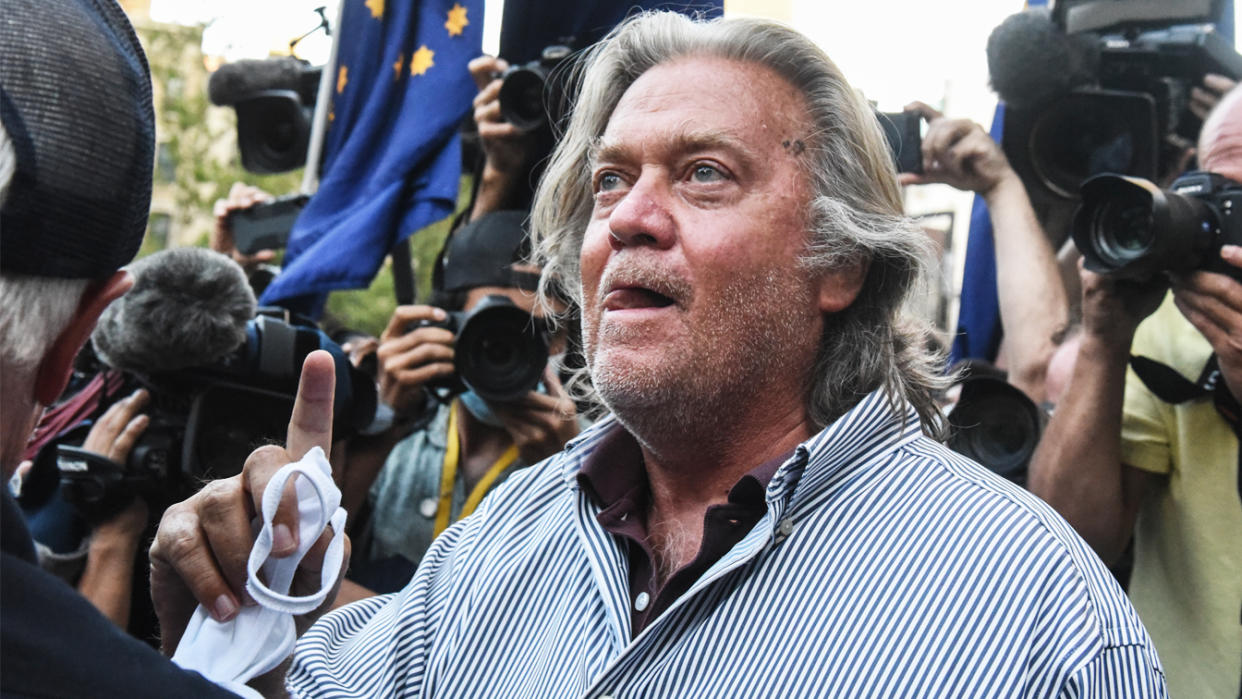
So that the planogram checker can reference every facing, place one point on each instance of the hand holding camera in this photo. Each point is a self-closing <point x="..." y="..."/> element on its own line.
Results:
<point x="540" y="423"/>
<point x="959" y="153"/>
<point x="1213" y="304"/>
<point x="410" y="359"/>
<point x="241" y="196"/>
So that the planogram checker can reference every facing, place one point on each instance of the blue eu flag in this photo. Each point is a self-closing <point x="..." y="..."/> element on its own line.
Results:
<point x="392" y="160"/>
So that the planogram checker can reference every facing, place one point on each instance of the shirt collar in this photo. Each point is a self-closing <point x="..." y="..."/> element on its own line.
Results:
<point x="874" y="423"/>
<point x="615" y="471"/>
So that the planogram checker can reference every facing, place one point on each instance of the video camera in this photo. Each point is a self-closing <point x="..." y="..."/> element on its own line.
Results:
<point x="500" y="352"/>
<point x="274" y="99"/>
<point x="1100" y="86"/>
<point x="1128" y="227"/>
<point x="205" y="420"/>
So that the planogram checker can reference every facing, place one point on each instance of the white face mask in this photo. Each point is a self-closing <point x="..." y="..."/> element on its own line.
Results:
<point x="260" y="637"/>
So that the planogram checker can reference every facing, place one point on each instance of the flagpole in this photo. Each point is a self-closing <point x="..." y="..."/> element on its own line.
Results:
<point x="323" y="104"/>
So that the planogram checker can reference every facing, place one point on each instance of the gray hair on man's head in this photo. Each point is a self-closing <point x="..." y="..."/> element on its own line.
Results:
<point x="855" y="212"/>
<point x="33" y="310"/>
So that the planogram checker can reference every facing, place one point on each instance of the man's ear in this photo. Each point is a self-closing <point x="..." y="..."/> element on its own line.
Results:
<point x="57" y="364"/>
<point x="839" y="288"/>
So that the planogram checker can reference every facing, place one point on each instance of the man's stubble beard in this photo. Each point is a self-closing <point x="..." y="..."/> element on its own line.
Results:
<point x="754" y="334"/>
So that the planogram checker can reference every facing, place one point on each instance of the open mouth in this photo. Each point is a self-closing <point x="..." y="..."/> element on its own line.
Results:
<point x="634" y="297"/>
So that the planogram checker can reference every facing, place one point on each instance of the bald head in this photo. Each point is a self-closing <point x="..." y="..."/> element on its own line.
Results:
<point x="1220" y="141"/>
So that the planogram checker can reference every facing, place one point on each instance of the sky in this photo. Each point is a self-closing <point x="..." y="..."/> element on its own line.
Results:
<point x="894" y="50"/>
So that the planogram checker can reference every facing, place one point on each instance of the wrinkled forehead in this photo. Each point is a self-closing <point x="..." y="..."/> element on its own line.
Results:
<point x="717" y="102"/>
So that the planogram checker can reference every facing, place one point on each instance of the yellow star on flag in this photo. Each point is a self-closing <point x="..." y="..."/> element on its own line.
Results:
<point x="421" y="61"/>
<point x="456" y="20"/>
<point x="342" y="79"/>
<point x="376" y="7"/>
<point x="397" y="66"/>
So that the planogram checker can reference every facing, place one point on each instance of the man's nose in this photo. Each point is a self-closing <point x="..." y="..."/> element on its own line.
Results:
<point x="644" y="216"/>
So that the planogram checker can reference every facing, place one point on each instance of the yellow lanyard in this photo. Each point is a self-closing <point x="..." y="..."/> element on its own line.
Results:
<point x="448" y="476"/>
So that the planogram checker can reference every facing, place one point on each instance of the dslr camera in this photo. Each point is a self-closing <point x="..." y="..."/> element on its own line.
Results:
<point x="1129" y="228"/>
<point x="523" y="87"/>
<point x="500" y="353"/>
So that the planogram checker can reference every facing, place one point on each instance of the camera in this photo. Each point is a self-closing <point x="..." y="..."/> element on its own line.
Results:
<point x="997" y="425"/>
<point x="523" y="88"/>
<point x="500" y="352"/>
<point x="1129" y="228"/>
<point x="1099" y="86"/>
<point x="205" y="421"/>
<point x="274" y="99"/>
<point x="266" y="226"/>
<point x="903" y="131"/>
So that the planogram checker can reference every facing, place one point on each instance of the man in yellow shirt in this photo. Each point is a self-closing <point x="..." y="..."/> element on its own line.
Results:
<point x="1118" y="462"/>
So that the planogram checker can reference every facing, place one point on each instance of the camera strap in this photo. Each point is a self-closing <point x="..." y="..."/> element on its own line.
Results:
<point x="1171" y="387"/>
<point x="448" y="476"/>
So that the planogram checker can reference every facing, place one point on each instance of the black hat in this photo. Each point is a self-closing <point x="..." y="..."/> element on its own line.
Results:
<point x="75" y="100"/>
<point x="482" y="253"/>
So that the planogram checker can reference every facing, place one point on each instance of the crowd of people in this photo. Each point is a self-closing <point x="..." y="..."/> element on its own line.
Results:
<point x="731" y="476"/>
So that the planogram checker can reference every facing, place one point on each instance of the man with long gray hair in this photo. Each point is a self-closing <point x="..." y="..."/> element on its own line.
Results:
<point x="763" y="512"/>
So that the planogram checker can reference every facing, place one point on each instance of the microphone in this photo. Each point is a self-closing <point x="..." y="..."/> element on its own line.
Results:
<point x="189" y="307"/>
<point x="1031" y="60"/>
<point x="234" y="82"/>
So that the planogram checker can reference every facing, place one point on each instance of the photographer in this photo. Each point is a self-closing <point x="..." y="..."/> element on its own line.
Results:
<point x="108" y="580"/>
<point x="1120" y="463"/>
<point x="1033" y="306"/>
<point x="460" y="450"/>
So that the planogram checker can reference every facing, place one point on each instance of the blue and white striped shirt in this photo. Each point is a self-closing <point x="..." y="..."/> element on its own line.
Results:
<point x="886" y="565"/>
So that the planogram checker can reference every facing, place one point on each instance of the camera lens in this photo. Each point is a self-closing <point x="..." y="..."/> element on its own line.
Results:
<point x="1122" y="231"/>
<point x="521" y="98"/>
<point x="500" y="353"/>
<point x="996" y="425"/>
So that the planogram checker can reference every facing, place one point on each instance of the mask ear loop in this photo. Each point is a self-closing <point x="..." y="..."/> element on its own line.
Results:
<point x="317" y="497"/>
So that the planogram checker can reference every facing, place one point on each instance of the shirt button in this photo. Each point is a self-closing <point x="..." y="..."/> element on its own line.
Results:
<point x="641" y="601"/>
<point x="785" y="527"/>
<point x="428" y="507"/>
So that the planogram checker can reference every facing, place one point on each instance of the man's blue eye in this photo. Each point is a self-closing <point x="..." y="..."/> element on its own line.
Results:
<point x="607" y="181"/>
<point x="707" y="173"/>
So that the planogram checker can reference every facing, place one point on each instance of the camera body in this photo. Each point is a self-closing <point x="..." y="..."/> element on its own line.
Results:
<point x="500" y="352"/>
<point x="1129" y="228"/>
<point x="266" y="226"/>
<point x="523" y="88"/>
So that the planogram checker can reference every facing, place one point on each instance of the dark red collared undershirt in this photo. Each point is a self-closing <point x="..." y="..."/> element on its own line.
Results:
<point x="615" y="478"/>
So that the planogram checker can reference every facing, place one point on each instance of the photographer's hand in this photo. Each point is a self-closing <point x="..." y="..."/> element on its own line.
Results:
<point x="539" y="423"/>
<point x="202" y="546"/>
<point x="505" y="146"/>
<point x="409" y="358"/>
<point x="1213" y="304"/>
<point x="1203" y="99"/>
<point x="241" y="196"/>
<point x="959" y="153"/>
<point x="113" y="435"/>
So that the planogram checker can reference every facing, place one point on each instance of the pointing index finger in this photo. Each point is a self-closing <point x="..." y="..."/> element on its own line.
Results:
<point x="311" y="423"/>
